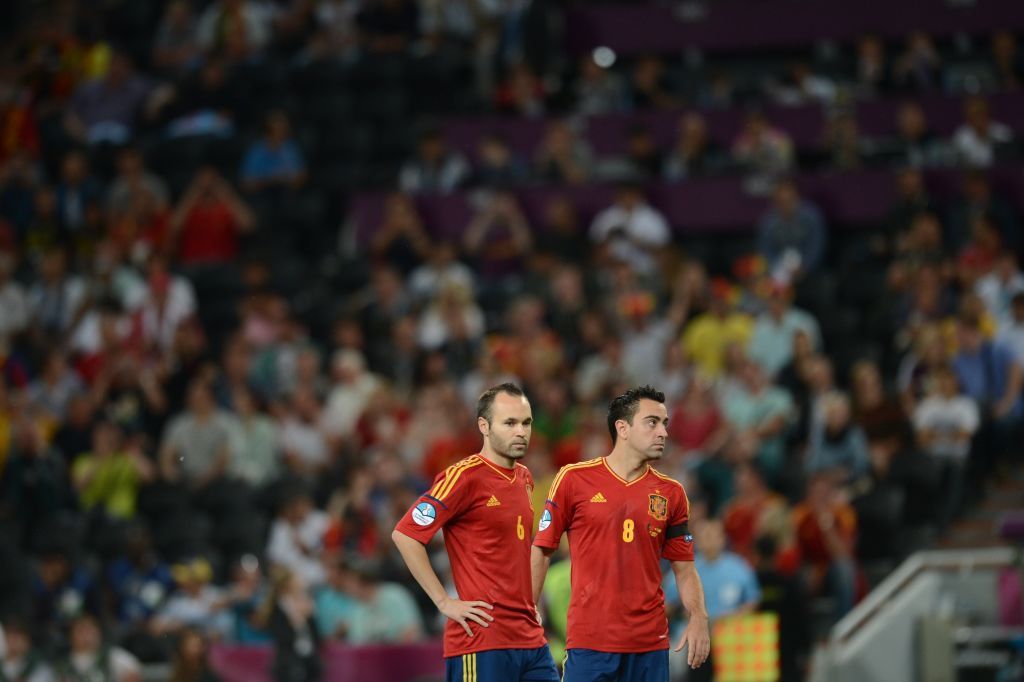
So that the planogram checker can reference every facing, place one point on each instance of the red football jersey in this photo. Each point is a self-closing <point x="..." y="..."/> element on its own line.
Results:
<point x="487" y="517"/>
<point x="618" y="532"/>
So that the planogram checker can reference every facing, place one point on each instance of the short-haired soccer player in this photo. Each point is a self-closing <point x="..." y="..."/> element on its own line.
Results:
<point x="493" y="632"/>
<point x="623" y="517"/>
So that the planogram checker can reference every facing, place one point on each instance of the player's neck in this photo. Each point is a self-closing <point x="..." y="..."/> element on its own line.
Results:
<point x="625" y="463"/>
<point x="497" y="458"/>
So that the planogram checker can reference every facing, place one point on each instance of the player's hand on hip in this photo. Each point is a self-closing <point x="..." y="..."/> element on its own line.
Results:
<point x="696" y="640"/>
<point x="464" y="611"/>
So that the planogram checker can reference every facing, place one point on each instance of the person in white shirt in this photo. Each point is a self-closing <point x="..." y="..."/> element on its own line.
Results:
<point x="999" y="286"/>
<point x="944" y="423"/>
<point x="296" y="538"/>
<point x="90" y="659"/>
<point x="18" y="660"/>
<point x="632" y="229"/>
<point x="976" y="140"/>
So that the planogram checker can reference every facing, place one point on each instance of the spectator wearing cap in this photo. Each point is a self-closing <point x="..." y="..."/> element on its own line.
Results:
<point x="92" y="658"/>
<point x="791" y="235"/>
<point x="771" y="344"/>
<point x="979" y="139"/>
<point x="707" y="336"/>
<point x="296" y="537"/>
<point x="196" y="604"/>
<point x="434" y="168"/>
<point x="632" y="230"/>
<point x="19" y="660"/>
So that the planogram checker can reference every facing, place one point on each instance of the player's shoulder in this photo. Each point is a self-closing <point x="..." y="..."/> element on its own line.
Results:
<point x="668" y="479"/>
<point x="457" y="473"/>
<point x="573" y="470"/>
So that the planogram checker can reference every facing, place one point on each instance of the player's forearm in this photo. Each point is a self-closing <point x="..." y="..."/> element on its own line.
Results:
<point x="540" y="560"/>
<point x="415" y="556"/>
<point x="691" y="592"/>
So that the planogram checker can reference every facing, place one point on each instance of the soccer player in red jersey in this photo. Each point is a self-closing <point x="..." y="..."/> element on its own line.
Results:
<point x="493" y="632"/>
<point x="623" y="517"/>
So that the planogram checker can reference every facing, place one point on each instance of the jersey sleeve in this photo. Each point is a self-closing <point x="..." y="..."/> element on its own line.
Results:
<point x="678" y="537"/>
<point x="445" y="500"/>
<point x="557" y="514"/>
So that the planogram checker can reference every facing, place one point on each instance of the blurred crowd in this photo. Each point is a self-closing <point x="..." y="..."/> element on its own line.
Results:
<point x="191" y="452"/>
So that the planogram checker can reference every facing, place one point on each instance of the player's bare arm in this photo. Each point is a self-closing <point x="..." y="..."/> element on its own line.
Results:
<point x="415" y="556"/>
<point x="540" y="561"/>
<point x="695" y="638"/>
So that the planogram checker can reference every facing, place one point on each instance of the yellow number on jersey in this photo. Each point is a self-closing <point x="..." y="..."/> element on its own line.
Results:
<point x="520" y="531"/>
<point x="627" y="530"/>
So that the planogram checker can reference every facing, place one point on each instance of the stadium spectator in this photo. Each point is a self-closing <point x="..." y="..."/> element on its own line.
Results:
<point x="562" y="156"/>
<point x="176" y="46"/>
<point x="108" y="109"/>
<point x="763" y="151"/>
<point x="731" y="587"/>
<point x="838" y="446"/>
<point x="826" y="528"/>
<point x="237" y="29"/>
<point x="1011" y="329"/>
<point x="196" y="446"/>
<point x="918" y="67"/>
<point x="191" y="660"/>
<point x="598" y="89"/>
<point x="708" y="335"/>
<point x="275" y="162"/>
<point x="649" y="87"/>
<point x="1007" y="61"/>
<point x="631" y="229"/>
<point x="498" y="240"/>
<point x="108" y="478"/>
<point x="195" y="604"/>
<point x="873" y="72"/>
<point x="792" y="235"/>
<point x="945" y="423"/>
<point x="693" y="154"/>
<point x="91" y="657"/>
<point x="289" y="617"/>
<point x="388" y="27"/>
<point x="771" y="344"/>
<point x="979" y="140"/>
<point x="296" y="538"/>
<point x="881" y="417"/>
<point x="132" y="180"/>
<point x="760" y="415"/>
<point x="20" y="659"/>
<point x="208" y="220"/>
<point x="434" y="168"/>
<point x="497" y="165"/>
<point x="383" y="612"/>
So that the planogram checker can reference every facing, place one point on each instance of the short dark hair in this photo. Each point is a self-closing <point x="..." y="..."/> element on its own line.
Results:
<point x="485" y="406"/>
<point x="624" y="406"/>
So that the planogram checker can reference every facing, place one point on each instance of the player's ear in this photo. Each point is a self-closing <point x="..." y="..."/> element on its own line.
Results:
<point x="482" y="424"/>
<point x="622" y="427"/>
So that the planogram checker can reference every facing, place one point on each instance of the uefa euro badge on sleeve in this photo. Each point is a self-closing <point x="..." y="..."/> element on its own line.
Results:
<point x="658" y="507"/>
<point x="424" y="514"/>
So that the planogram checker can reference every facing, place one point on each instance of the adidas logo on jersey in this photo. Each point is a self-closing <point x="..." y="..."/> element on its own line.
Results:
<point x="493" y="502"/>
<point x="598" y="498"/>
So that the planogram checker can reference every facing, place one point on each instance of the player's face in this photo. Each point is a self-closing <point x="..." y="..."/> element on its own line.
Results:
<point x="649" y="431"/>
<point x="510" y="427"/>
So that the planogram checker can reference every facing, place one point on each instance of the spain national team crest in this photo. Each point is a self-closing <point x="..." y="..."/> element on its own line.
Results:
<point x="658" y="507"/>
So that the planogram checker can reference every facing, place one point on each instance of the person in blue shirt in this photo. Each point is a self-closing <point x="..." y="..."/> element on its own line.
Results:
<point x="274" y="162"/>
<point x="792" y="228"/>
<point x="730" y="583"/>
